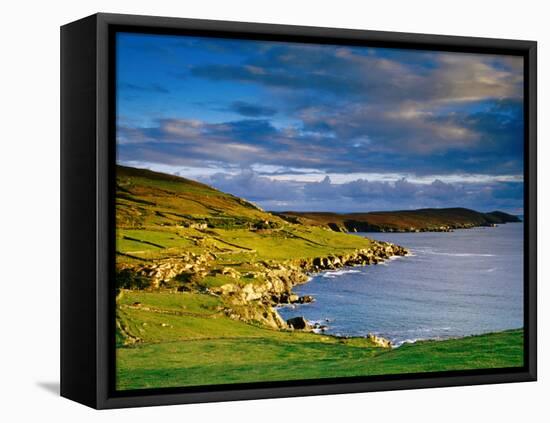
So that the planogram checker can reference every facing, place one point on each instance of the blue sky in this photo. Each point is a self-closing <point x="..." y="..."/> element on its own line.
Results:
<point x="322" y="127"/>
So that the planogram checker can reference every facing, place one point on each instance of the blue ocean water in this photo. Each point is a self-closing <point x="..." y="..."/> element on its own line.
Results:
<point x="453" y="284"/>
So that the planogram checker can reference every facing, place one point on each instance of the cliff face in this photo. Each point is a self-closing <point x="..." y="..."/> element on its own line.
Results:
<point x="423" y="220"/>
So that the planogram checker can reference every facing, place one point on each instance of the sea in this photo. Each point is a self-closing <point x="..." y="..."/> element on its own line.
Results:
<point x="452" y="284"/>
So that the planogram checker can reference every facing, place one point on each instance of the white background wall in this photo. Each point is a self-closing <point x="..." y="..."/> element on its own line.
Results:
<point x="29" y="206"/>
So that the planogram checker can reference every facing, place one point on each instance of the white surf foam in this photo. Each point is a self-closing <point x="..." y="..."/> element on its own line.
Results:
<point x="335" y="273"/>
<point x="462" y="254"/>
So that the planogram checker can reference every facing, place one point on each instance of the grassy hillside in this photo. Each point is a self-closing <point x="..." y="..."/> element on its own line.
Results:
<point x="400" y="221"/>
<point x="199" y="272"/>
<point x="161" y="216"/>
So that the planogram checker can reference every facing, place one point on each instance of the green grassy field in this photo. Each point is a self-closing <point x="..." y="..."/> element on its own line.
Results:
<point x="185" y="341"/>
<point x="185" y="330"/>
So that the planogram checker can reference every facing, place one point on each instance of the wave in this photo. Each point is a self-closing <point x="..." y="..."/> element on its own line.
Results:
<point x="462" y="254"/>
<point x="397" y="344"/>
<point x="319" y="321"/>
<point x="422" y="334"/>
<point x="335" y="273"/>
<point x="319" y="326"/>
<point x="395" y="257"/>
<point x="442" y="253"/>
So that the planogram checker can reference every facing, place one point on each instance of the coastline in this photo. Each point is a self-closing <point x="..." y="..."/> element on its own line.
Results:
<point x="261" y="303"/>
<point x="200" y="279"/>
<point x="281" y="278"/>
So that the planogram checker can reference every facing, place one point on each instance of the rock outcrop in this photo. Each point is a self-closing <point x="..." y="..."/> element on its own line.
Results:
<point x="298" y="323"/>
<point x="161" y="272"/>
<point x="379" y="341"/>
<point x="378" y="253"/>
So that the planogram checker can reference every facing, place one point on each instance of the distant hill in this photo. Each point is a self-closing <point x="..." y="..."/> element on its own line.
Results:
<point x="421" y="220"/>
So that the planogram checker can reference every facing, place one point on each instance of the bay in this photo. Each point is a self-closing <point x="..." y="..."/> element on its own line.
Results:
<point x="453" y="284"/>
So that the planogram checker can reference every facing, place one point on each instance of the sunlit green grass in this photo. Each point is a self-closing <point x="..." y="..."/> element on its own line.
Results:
<point x="256" y="359"/>
<point x="294" y="242"/>
<point x="187" y="340"/>
<point x="181" y="301"/>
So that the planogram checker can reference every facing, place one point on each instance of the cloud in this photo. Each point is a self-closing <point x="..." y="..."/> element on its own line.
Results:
<point x="400" y="191"/>
<point x="419" y="103"/>
<point x="251" y="110"/>
<point x="337" y="70"/>
<point x="486" y="140"/>
<point x="364" y="195"/>
<point x="278" y="78"/>
<point x="251" y="185"/>
<point x="356" y="138"/>
<point x="234" y="143"/>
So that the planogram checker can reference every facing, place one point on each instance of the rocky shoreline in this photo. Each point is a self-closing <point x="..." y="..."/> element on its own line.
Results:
<point x="354" y="226"/>
<point x="268" y="286"/>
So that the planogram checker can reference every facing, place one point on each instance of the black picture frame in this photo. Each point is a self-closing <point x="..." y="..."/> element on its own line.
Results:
<point x="87" y="210"/>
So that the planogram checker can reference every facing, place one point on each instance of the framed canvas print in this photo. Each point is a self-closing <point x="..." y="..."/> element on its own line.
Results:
<point x="255" y="211"/>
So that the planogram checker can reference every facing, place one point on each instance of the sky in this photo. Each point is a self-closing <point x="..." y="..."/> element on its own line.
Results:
<point x="310" y="127"/>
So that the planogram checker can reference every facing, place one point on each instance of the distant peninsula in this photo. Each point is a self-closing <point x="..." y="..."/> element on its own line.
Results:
<point x="421" y="220"/>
